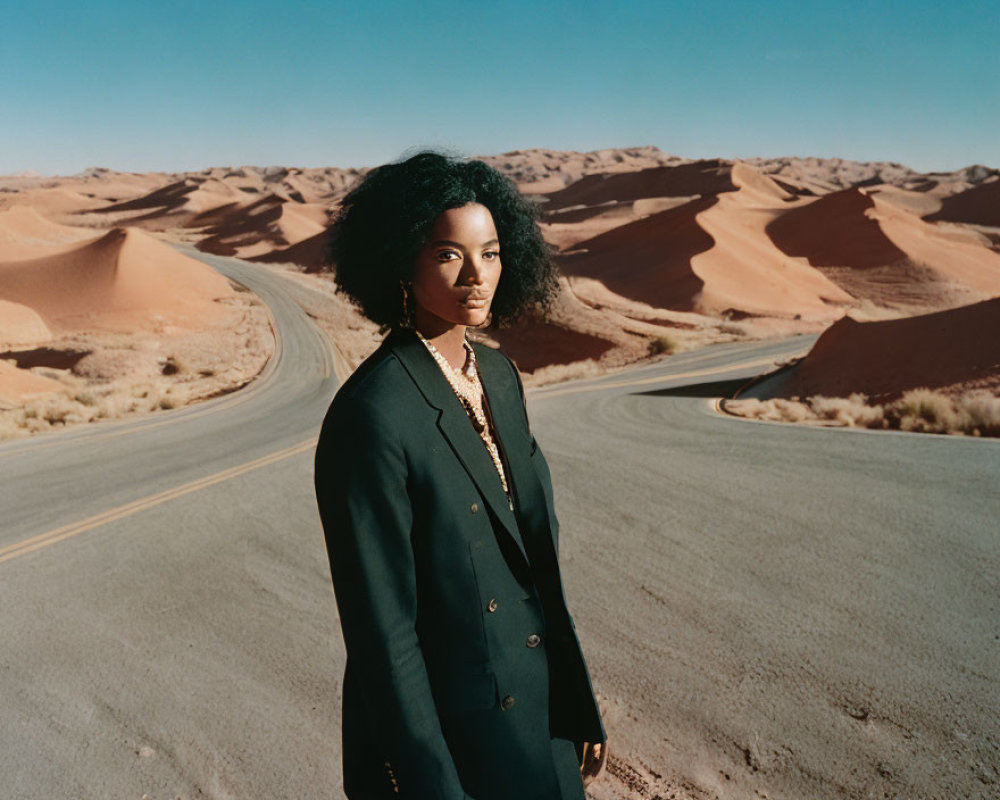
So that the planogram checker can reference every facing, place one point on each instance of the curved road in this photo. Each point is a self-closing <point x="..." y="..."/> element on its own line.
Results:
<point x="766" y="608"/>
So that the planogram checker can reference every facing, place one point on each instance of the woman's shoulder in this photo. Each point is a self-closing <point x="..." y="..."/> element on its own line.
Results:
<point x="374" y="388"/>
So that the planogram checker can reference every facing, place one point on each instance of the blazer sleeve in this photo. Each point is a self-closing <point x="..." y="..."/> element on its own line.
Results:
<point x="361" y="490"/>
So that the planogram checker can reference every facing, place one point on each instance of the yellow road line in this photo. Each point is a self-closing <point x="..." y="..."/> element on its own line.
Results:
<point x="74" y="528"/>
<point x="659" y="378"/>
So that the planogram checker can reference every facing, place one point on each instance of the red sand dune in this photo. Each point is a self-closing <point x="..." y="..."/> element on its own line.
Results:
<point x="265" y="225"/>
<point x="685" y="180"/>
<point x="834" y="231"/>
<point x="886" y="358"/>
<point x="309" y="253"/>
<point x="648" y="260"/>
<point x="124" y="278"/>
<point x="876" y="250"/>
<point x="535" y="344"/>
<point x="710" y="255"/>
<point x="979" y="205"/>
<point x="173" y="205"/>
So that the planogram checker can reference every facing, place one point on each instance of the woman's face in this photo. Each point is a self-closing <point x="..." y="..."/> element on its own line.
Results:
<point x="457" y="270"/>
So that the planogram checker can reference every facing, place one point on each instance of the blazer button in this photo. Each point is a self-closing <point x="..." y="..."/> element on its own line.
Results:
<point x="492" y="605"/>
<point x="533" y="640"/>
<point x="474" y="507"/>
<point x="507" y="702"/>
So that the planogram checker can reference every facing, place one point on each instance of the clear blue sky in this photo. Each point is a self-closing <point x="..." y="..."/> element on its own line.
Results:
<point x="184" y="85"/>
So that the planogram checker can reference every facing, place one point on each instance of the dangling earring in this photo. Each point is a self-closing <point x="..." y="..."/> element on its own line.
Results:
<point x="406" y="318"/>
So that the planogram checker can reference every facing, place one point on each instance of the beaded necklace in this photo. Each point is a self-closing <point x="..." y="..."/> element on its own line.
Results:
<point x="469" y="388"/>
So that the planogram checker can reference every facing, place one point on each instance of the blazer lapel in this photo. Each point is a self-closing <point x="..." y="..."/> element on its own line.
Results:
<point x="505" y="404"/>
<point x="453" y="421"/>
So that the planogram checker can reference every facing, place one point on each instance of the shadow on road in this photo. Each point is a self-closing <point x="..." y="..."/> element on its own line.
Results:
<point x="710" y="389"/>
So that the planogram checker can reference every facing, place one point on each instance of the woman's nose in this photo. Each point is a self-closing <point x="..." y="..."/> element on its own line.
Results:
<point x="475" y="271"/>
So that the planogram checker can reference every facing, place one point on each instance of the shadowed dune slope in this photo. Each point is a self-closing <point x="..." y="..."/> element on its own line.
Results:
<point x="309" y="253"/>
<point x="979" y="205"/>
<point x="648" y="260"/>
<point x="125" y="274"/>
<point x="884" y="359"/>
<point x="834" y="231"/>
<point x="535" y="344"/>
<point x="269" y="224"/>
<point x="685" y="180"/>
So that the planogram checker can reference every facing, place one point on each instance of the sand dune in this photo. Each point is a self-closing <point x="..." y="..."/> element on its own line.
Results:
<point x="834" y="231"/>
<point x="685" y="180"/>
<point x="540" y="171"/>
<point x="648" y="241"/>
<point x="648" y="260"/>
<point x="979" y="205"/>
<point x="21" y="325"/>
<point x="172" y="205"/>
<point x="309" y="253"/>
<point x="18" y="385"/>
<point x="258" y="228"/>
<point x="24" y="232"/>
<point x="876" y="251"/>
<point x="710" y="256"/>
<point x="883" y="359"/>
<point x="123" y="279"/>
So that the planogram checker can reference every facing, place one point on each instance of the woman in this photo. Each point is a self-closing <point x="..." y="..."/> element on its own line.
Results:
<point x="464" y="674"/>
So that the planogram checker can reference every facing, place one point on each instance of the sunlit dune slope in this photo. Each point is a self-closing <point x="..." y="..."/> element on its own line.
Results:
<point x="17" y="385"/>
<point x="876" y="251"/>
<point x="23" y="231"/>
<point x="123" y="279"/>
<point x="21" y="325"/>
<point x="710" y="255"/>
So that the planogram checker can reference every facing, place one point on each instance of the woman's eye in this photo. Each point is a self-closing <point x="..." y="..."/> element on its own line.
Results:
<point x="491" y="254"/>
<point x="447" y="255"/>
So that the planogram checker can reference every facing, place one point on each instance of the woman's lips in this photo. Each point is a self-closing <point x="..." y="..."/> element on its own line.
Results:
<point x="476" y="301"/>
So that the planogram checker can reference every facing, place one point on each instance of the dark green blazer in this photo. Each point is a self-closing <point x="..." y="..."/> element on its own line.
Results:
<point x="462" y="658"/>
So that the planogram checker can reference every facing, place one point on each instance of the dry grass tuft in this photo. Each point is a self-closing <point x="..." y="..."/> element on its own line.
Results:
<point x="974" y="413"/>
<point x="555" y="373"/>
<point x="662" y="344"/>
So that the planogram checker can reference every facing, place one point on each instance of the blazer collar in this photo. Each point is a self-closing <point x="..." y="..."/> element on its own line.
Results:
<point x="453" y="421"/>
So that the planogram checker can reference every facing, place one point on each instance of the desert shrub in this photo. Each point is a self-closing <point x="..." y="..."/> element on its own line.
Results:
<point x="554" y="373"/>
<point x="926" y="411"/>
<point x="777" y="410"/>
<point x="662" y="344"/>
<point x="852" y="411"/>
<point x="918" y="411"/>
<point x="13" y="424"/>
<point x="982" y="412"/>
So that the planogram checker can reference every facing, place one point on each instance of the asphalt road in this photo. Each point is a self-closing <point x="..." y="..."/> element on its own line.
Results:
<point x="170" y="629"/>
